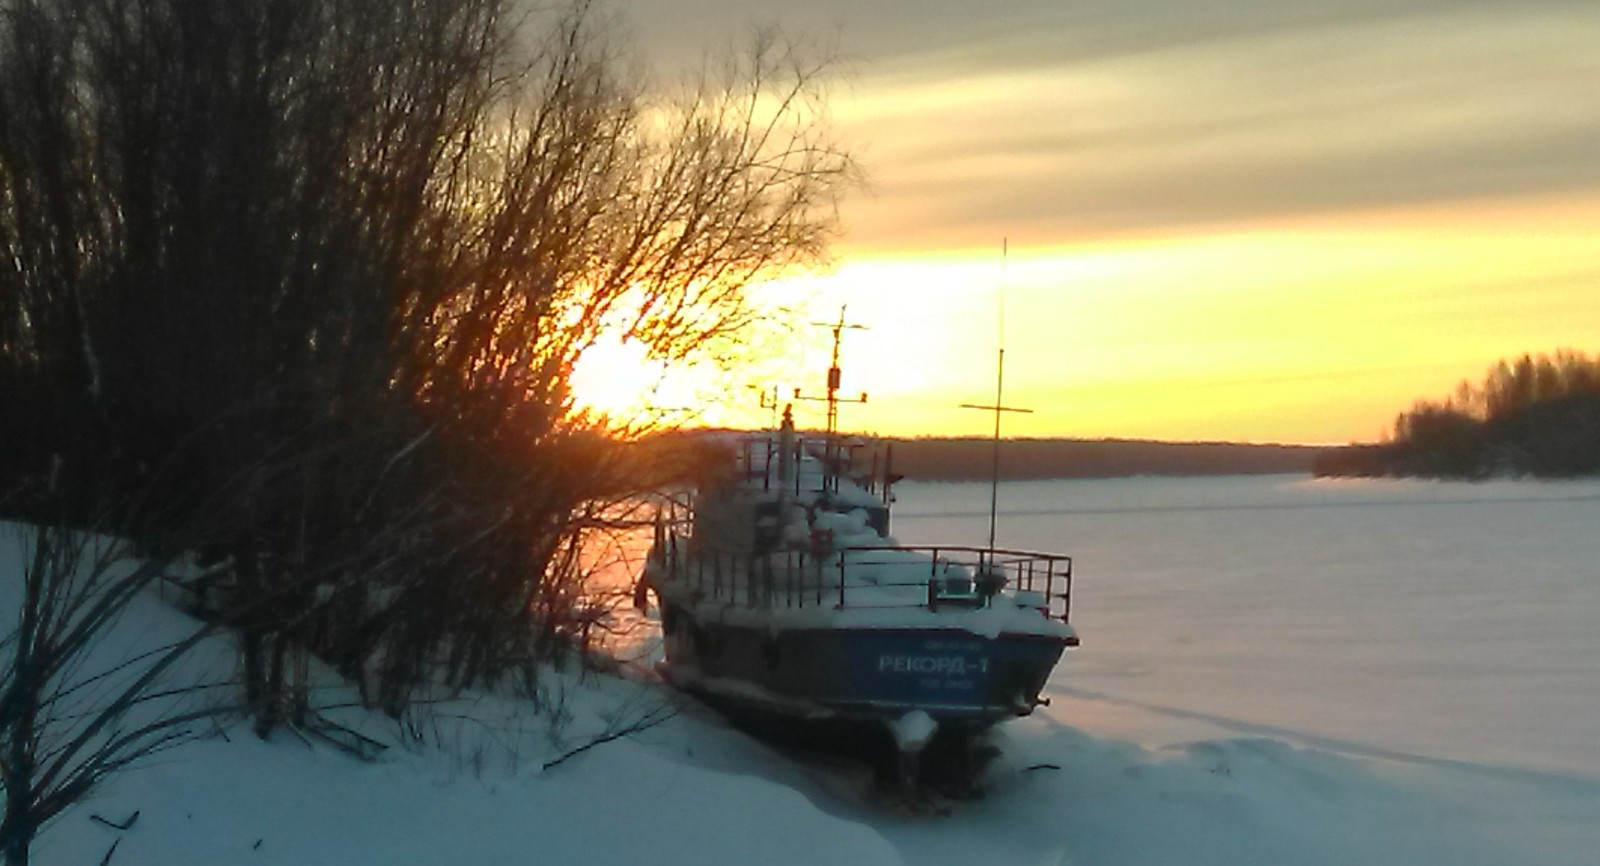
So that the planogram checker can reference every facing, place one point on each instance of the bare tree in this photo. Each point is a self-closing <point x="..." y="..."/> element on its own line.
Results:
<point x="312" y="275"/>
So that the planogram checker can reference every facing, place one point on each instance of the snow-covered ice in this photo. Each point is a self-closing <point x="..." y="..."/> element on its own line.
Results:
<point x="1283" y="670"/>
<point x="1274" y="671"/>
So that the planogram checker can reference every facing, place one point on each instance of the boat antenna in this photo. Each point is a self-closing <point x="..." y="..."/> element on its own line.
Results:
<point x="999" y="406"/>
<point x="830" y="478"/>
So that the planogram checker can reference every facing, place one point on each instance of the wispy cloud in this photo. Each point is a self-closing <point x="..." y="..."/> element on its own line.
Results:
<point x="1342" y="116"/>
<point x="1271" y="219"/>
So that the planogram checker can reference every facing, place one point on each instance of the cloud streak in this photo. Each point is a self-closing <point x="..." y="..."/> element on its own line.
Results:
<point x="1337" y="119"/>
<point x="1060" y="120"/>
<point x="1260" y="219"/>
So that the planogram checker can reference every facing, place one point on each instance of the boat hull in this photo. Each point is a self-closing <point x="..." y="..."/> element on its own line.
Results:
<point x="955" y="676"/>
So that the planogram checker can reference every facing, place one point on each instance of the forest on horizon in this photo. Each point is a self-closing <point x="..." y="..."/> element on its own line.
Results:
<point x="970" y="458"/>
<point x="1537" y="415"/>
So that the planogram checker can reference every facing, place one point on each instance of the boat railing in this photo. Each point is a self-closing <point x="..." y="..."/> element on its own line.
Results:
<point x="866" y="464"/>
<point x="964" y="576"/>
<point x="787" y="579"/>
<point x="927" y="576"/>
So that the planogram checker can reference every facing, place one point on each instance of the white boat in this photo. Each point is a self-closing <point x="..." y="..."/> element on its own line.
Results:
<point x="784" y="598"/>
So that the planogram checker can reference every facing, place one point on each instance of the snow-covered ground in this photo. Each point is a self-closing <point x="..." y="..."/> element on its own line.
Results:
<point x="1274" y="671"/>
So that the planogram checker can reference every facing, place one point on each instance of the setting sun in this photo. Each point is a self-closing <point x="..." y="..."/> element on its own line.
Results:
<point x="617" y="379"/>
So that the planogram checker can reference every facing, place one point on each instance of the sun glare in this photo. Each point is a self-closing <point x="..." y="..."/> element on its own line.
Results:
<point x="617" y="379"/>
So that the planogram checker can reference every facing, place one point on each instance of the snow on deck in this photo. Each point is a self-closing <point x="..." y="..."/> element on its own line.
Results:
<point x="831" y="568"/>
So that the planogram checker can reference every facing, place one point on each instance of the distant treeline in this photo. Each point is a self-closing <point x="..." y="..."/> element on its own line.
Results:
<point x="971" y="458"/>
<point x="1536" y="415"/>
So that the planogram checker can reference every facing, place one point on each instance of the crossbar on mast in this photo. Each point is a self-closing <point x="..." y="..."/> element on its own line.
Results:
<point x="999" y="406"/>
<point x="830" y="478"/>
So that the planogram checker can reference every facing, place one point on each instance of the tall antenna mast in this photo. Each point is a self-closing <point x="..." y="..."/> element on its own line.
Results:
<point x="999" y="406"/>
<point x="830" y="478"/>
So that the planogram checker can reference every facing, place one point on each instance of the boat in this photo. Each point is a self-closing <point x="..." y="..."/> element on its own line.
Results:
<point x="785" y="599"/>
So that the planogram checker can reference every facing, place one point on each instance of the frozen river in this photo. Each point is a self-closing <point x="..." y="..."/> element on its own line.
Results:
<point x="1449" y="621"/>
<point x="1351" y="671"/>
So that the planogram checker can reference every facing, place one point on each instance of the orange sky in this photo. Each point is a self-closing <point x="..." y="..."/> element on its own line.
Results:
<point x="1247" y="220"/>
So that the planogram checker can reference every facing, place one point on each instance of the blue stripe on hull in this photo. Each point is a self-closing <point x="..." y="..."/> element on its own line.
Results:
<point x="949" y="673"/>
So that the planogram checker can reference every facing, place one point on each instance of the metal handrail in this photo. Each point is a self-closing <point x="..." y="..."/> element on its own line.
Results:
<point x="801" y="582"/>
<point x="1025" y="570"/>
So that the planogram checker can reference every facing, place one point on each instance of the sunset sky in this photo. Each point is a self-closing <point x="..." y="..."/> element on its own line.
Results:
<point x="1264" y="220"/>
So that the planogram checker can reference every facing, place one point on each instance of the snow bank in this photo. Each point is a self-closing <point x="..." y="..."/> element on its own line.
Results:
<point x="476" y="792"/>
<point x="247" y="801"/>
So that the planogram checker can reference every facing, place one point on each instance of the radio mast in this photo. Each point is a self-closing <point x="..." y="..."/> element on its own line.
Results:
<point x="999" y="406"/>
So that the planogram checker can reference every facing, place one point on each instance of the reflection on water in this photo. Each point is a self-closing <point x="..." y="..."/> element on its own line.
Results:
<point x="612" y="559"/>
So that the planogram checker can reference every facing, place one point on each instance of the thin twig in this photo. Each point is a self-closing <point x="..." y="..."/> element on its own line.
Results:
<point x="123" y="825"/>
<point x="644" y="724"/>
